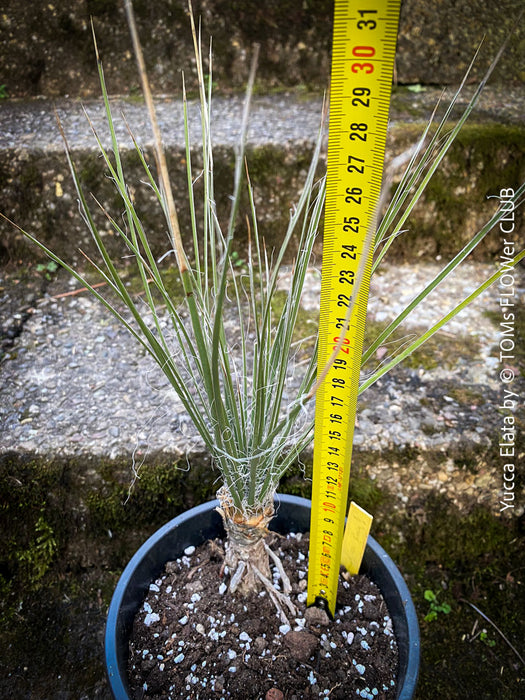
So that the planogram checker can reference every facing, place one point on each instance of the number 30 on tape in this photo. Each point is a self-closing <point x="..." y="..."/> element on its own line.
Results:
<point x="363" y="54"/>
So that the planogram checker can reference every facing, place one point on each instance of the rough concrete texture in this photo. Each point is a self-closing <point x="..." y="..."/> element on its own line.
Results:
<point x="46" y="48"/>
<point x="77" y="401"/>
<point x="37" y="192"/>
<point x="76" y="386"/>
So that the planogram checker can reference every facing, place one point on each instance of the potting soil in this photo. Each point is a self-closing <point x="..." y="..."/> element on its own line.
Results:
<point x="193" y="639"/>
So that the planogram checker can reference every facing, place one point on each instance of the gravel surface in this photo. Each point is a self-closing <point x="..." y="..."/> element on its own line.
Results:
<point x="278" y="119"/>
<point x="73" y="383"/>
<point x="32" y="124"/>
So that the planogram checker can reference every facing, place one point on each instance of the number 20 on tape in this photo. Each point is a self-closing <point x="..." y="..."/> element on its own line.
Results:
<point x="364" y="42"/>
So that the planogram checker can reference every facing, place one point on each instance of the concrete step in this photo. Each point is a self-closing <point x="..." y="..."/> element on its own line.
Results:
<point x="74" y="387"/>
<point x="36" y="190"/>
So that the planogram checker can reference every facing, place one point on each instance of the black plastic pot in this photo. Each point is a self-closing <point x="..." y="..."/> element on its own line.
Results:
<point x="202" y="523"/>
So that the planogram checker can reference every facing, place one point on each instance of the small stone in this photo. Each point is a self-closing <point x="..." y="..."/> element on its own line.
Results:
<point x="274" y="694"/>
<point x="260" y="645"/>
<point x="151" y="617"/>
<point x="301" y="644"/>
<point x="316" y="616"/>
<point x="194" y="587"/>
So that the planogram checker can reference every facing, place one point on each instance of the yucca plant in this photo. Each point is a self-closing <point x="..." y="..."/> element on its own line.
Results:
<point x="236" y="386"/>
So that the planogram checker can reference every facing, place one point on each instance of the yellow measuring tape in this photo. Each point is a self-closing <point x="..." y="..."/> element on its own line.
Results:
<point x="363" y="54"/>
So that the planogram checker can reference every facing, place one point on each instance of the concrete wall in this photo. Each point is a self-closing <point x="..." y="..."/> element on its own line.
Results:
<point x="46" y="47"/>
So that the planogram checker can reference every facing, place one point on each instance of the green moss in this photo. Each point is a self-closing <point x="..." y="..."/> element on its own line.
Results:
<point x="441" y="350"/>
<point x="29" y="494"/>
<point x="462" y="556"/>
<point x="484" y="158"/>
<point x="31" y="179"/>
<point x="278" y="183"/>
<point x="52" y="524"/>
<point x="161" y="491"/>
<point x="464" y="395"/>
<point x="36" y="560"/>
<point x="503" y="147"/>
<point x="365" y="492"/>
<point x="467" y="556"/>
<point x="32" y="530"/>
